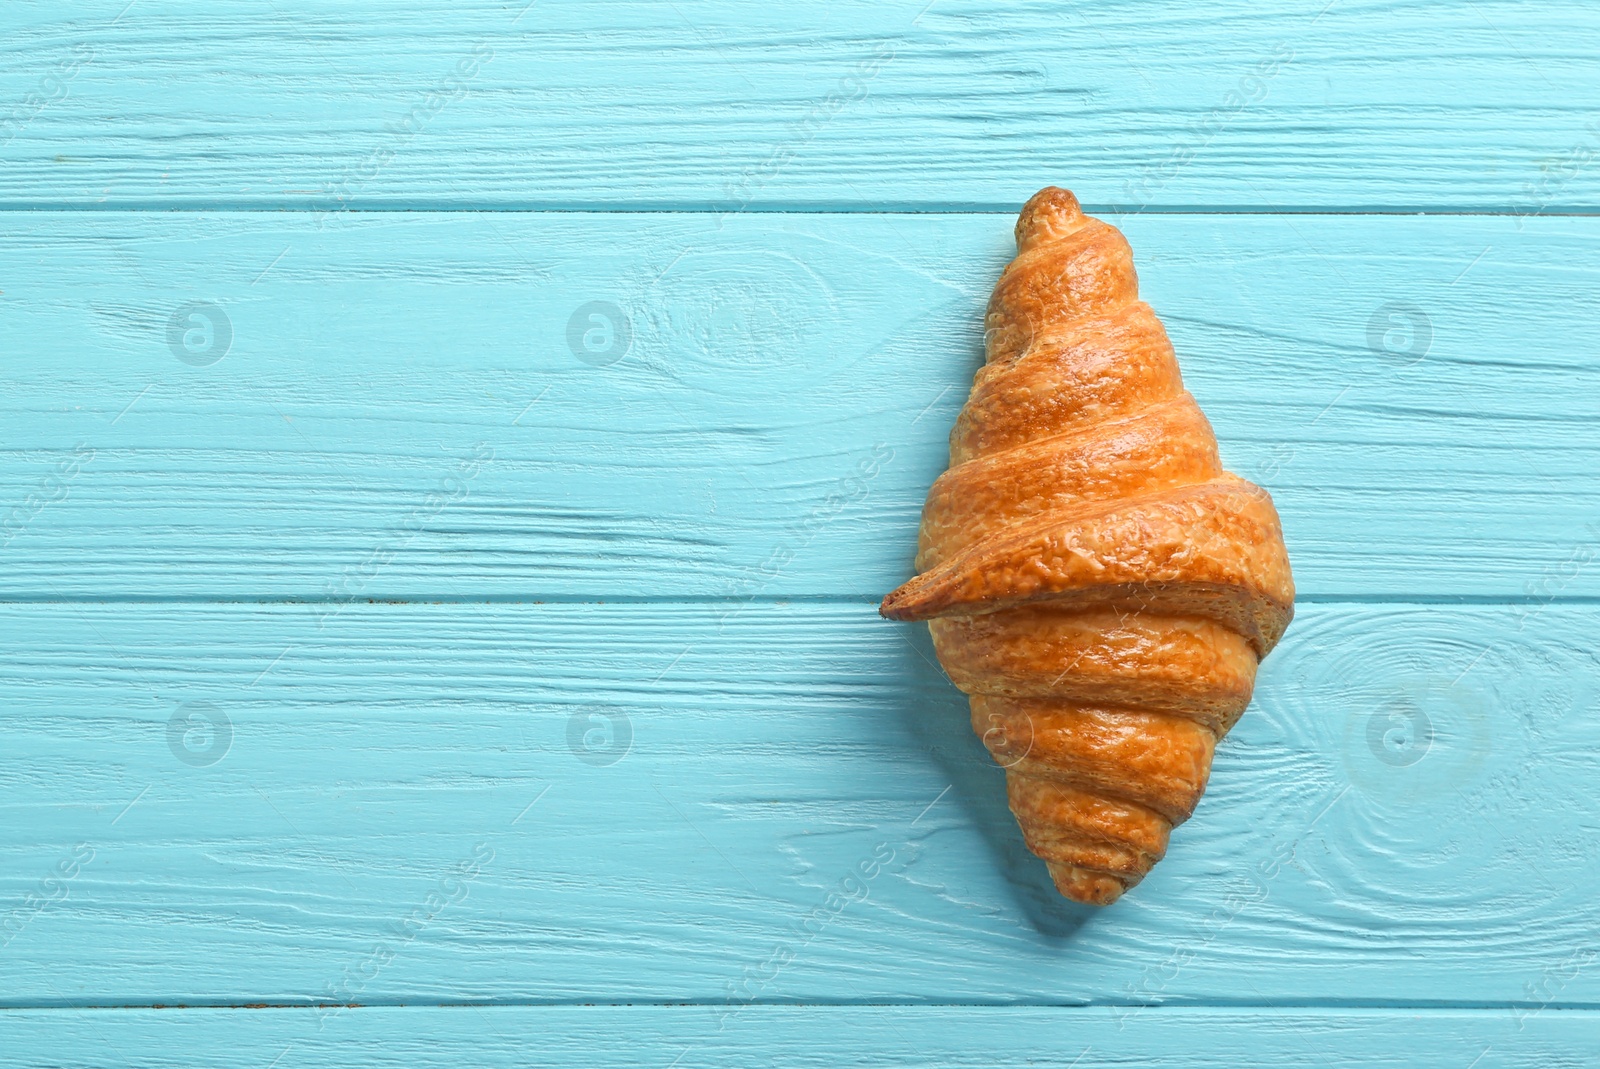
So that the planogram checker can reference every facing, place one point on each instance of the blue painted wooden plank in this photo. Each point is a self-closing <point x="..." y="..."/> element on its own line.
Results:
<point x="1487" y="105"/>
<point x="266" y="405"/>
<point x="800" y="1037"/>
<point x="618" y="803"/>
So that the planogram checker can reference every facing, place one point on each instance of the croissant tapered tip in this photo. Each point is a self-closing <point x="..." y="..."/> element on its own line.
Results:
<point x="895" y="605"/>
<point x="1051" y="213"/>
<point x="1085" y="885"/>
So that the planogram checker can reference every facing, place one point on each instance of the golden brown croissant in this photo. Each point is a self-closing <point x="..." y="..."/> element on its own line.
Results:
<point x="1092" y="577"/>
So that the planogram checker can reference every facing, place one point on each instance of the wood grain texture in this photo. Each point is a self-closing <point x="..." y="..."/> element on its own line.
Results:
<point x="726" y="804"/>
<point x="249" y="760"/>
<point x="798" y="1037"/>
<point x="1485" y="106"/>
<point x="401" y="411"/>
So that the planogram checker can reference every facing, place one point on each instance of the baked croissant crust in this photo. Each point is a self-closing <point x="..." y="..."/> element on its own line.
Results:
<point x="1093" y="579"/>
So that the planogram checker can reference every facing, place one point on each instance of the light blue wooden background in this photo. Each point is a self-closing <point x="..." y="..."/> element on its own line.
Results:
<point x="392" y="681"/>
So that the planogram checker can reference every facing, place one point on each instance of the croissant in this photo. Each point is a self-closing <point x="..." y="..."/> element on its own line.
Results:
<point x="1093" y="580"/>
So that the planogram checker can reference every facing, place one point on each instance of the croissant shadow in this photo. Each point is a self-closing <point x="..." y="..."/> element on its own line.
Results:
<point x="934" y="714"/>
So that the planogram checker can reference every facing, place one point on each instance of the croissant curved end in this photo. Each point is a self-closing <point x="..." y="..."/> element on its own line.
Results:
<point x="1086" y="885"/>
<point x="1096" y="583"/>
<point x="1051" y="213"/>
